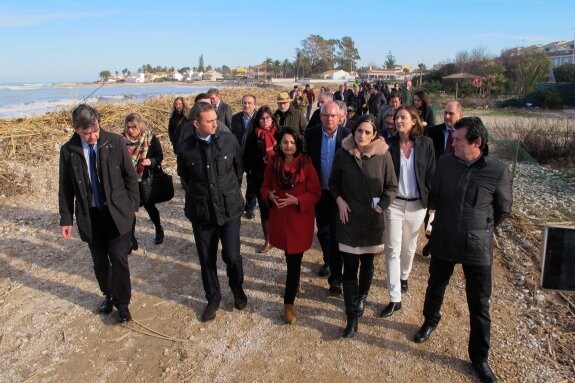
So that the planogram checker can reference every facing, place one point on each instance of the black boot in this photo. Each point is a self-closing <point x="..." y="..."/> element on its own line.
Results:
<point x="351" y="300"/>
<point x="159" y="235"/>
<point x="365" y="278"/>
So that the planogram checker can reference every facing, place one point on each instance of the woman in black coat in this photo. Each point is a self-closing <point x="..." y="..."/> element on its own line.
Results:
<point x="424" y="109"/>
<point x="146" y="153"/>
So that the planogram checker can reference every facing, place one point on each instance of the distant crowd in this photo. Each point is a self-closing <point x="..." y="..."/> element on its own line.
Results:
<point x="364" y="172"/>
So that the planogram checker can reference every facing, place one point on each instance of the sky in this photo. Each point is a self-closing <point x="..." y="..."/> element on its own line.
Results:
<point x="73" y="41"/>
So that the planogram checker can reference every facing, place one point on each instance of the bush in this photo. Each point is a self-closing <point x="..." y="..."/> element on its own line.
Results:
<point x="551" y="99"/>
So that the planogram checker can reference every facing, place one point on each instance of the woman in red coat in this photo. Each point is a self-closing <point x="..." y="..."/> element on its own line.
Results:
<point x="291" y="188"/>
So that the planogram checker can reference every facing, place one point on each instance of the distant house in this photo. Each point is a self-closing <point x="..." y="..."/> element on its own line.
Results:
<point x="259" y="71"/>
<point x="240" y="71"/>
<point x="212" y="75"/>
<point x="175" y="76"/>
<point x="196" y="76"/>
<point x="137" y="77"/>
<point x="336" y="74"/>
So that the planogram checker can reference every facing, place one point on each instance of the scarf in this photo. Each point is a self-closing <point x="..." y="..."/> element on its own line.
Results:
<point x="287" y="175"/>
<point x="266" y="142"/>
<point x="138" y="150"/>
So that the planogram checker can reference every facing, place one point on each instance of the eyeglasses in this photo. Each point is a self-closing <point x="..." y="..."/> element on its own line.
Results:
<point x="330" y="115"/>
<point x="265" y="118"/>
<point x="132" y="126"/>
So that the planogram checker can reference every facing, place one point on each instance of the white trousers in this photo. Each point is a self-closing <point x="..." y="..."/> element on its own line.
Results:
<point x="403" y="220"/>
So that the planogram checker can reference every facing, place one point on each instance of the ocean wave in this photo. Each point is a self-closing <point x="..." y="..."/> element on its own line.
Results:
<point x="36" y="107"/>
<point x="22" y="86"/>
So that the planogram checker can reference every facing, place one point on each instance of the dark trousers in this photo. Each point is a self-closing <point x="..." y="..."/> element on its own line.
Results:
<point x="354" y="289"/>
<point x="154" y="215"/>
<point x="109" y="252"/>
<point x="251" y="194"/>
<point x="326" y="215"/>
<point x="207" y="237"/>
<point x="478" y="291"/>
<point x="293" y="262"/>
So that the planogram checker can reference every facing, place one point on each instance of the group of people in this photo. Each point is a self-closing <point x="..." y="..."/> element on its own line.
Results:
<point x="367" y="190"/>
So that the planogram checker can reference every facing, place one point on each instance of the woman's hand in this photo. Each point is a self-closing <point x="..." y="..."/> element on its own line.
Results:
<point x="343" y="209"/>
<point x="378" y="209"/>
<point x="288" y="200"/>
<point x="146" y="162"/>
<point x="272" y="197"/>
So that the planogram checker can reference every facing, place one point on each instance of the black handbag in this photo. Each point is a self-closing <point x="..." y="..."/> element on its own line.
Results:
<point x="157" y="187"/>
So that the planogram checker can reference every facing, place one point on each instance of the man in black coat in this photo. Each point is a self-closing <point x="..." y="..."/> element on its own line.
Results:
<point x="442" y="134"/>
<point x="471" y="194"/>
<point x="223" y="110"/>
<point x="210" y="163"/>
<point x="322" y="141"/>
<point x="240" y="124"/>
<point x="98" y="184"/>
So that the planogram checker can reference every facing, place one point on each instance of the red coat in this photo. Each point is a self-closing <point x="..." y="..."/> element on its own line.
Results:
<point x="291" y="228"/>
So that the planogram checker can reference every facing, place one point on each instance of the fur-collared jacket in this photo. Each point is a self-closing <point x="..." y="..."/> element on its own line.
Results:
<point x="361" y="179"/>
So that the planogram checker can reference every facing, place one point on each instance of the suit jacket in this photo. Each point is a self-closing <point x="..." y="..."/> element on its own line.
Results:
<point x="224" y="113"/>
<point x="339" y="96"/>
<point x="437" y="136"/>
<point x="238" y="128"/>
<point x="117" y="177"/>
<point x="424" y="164"/>
<point x="313" y="138"/>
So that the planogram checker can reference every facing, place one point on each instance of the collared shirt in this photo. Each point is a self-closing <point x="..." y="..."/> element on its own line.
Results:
<point x="207" y="139"/>
<point x="407" y="184"/>
<point x="86" y="150"/>
<point x="247" y="119"/>
<point x="327" y="154"/>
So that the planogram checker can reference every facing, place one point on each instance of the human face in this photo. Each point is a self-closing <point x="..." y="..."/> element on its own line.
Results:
<point x="330" y="118"/>
<point x="91" y="134"/>
<point x="462" y="148"/>
<point x="342" y="116"/>
<point x="283" y="106"/>
<point x="451" y="114"/>
<point x="179" y="106"/>
<point x="288" y="145"/>
<point x="417" y="102"/>
<point x="363" y="135"/>
<point x="214" y="99"/>
<point x="403" y="122"/>
<point x="207" y="124"/>
<point x="132" y="129"/>
<point x="248" y="105"/>
<point x="395" y="102"/>
<point x="389" y="123"/>
<point x="266" y="121"/>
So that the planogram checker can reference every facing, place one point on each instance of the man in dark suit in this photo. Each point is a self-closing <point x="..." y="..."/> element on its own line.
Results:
<point x="240" y="124"/>
<point x="471" y="194"/>
<point x="322" y="99"/>
<point x="340" y="94"/>
<point x="322" y="141"/>
<point x="94" y="167"/>
<point x="223" y="110"/>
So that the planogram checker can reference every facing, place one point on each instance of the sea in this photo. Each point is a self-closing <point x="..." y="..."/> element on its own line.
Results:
<point x="29" y="99"/>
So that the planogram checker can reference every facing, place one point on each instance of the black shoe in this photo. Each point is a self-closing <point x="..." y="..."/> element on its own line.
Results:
<point x="485" y="372"/>
<point x="249" y="214"/>
<point x="423" y="333"/>
<point x="134" y="245"/>
<point x="335" y="289"/>
<point x="350" y="327"/>
<point x="404" y="286"/>
<point x="425" y="251"/>
<point x="159" y="235"/>
<point x="390" y="309"/>
<point x="324" y="270"/>
<point x="107" y="306"/>
<point x="124" y="314"/>
<point x="210" y="312"/>
<point x="240" y="298"/>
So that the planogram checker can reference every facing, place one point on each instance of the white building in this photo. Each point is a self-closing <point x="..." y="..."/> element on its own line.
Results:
<point x="138" y="77"/>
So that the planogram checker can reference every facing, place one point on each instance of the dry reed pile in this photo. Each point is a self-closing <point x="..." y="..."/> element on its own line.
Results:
<point x="27" y="141"/>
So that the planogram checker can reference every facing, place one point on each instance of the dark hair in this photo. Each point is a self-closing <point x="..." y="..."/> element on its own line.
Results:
<point x="213" y="91"/>
<point x="394" y="93"/>
<point x="248" y="95"/>
<point x="296" y="136"/>
<point x="264" y="109"/>
<point x="186" y="109"/>
<point x="475" y="130"/>
<point x="364" y="118"/>
<point x="84" y="116"/>
<point x="198" y="109"/>
<point x="417" y="129"/>
<point x="423" y="97"/>
<point x="201" y="96"/>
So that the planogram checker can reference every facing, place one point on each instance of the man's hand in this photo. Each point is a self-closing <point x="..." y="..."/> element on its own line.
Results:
<point x="66" y="232"/>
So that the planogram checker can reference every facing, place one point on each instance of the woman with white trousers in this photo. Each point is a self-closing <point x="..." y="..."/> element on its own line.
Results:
<point x="414" y="162"/>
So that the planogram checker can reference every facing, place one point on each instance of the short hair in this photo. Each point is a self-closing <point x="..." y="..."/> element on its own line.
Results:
<point x="341" y="105"/>
<point x="256" y="119"/>
<point x="417" y="129"/>
<point x="201" y="96"/>
<point x="475" y="130"/>
<point x="395" y="93"/>
<point x="364" y="118"/>
<point x="327" y="95"/>
<point x="198" y="109"/>
<point x="248" y="95"/>
<point x="326" y="104"/>
<point x="85" y="116"/>
<point x="213" y="91"/>
<point x="299" y="146"/>
<point x="388" y="112"/>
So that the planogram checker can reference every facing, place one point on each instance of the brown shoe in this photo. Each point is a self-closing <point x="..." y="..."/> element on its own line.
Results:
<point x="289" y="314"/>
<point x="265" y="248"/>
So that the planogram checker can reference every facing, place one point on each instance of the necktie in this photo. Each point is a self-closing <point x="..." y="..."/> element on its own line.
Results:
<point x="449" y="144"/>
<point x="94" y="182"/>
